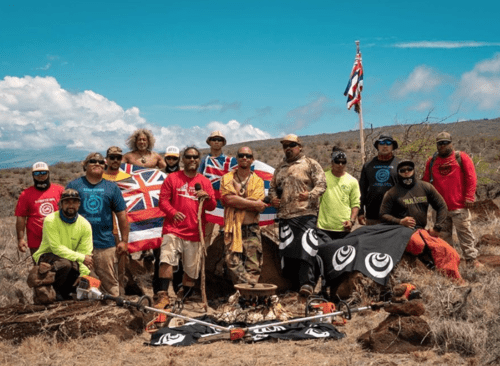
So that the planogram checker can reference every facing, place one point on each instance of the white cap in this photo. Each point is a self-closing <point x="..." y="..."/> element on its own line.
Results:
<point x="40" y="167"/>
<point x="172" y="151"/>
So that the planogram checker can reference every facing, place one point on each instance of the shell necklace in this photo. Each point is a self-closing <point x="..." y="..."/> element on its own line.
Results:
<point x="243" y="183"/>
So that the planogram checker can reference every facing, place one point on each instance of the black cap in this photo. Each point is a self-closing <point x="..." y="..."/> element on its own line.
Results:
<point x="406" y="163"/>
<point x="384" y="137"/>
<point x="70" y="193"/>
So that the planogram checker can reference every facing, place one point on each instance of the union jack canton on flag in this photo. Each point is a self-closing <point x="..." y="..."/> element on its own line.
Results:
<point x="355" y="85"/>
<point x="141" y="193"/>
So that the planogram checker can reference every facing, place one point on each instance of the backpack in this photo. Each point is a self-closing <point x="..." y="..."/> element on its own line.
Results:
<point x="457" y="156"/>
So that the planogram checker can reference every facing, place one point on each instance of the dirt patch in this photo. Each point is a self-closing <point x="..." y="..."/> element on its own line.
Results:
<point x="489" y="239"/>
<point x="398" y="334"/>
<point x="492" y="261"/>
<point x="69" y="320"/>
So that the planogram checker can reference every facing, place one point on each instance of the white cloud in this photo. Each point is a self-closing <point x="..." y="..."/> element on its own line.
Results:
<point x="35" y="113"/>
<point x="445" y="44"/>
<point x="304" y="116"/>
<point x="421" y="79"/>
<point x="46" y="67"/>
<point x="213" y="105"/>
<point x="423" y="106"/>
<point x="481" y="85"/>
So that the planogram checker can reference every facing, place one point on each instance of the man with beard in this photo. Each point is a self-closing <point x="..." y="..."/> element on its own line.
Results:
<point x="297" y="185"/>
<point x="100" y="198"/>
<point x="377" y="177"/>
<point x="34" y="204"/>
<point x="242" y="192"/>
<point x="141" y="142"/>
<point x="66" y="245"/>
<point x="180" y="196"/>
<point x="408" y="201"/>
<point x="172" y="160"/>
<point x="453" y="174"/>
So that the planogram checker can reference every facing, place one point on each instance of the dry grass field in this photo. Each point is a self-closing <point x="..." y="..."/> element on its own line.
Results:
<point x="463" y="333"/>
<point x="465" y="327"/>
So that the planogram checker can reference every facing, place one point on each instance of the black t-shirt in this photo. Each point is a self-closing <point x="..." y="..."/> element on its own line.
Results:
<point x="377" y="177"/>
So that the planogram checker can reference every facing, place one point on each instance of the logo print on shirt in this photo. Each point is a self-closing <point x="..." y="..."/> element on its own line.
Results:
<point x="46" y="209"/>
<point x="444" y="169"/>
<point x="382" y="175"/>
<point x="93" y="204"/>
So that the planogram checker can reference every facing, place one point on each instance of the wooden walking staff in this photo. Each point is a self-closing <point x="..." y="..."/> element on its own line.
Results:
<point x="197" y="187"/>
<point x="360" y="113"/>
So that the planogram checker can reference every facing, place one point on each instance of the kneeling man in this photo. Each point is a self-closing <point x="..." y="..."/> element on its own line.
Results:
<point x="66" y="244"/>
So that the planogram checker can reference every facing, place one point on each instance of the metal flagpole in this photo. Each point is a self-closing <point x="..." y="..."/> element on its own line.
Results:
<point x="361" y="132"/>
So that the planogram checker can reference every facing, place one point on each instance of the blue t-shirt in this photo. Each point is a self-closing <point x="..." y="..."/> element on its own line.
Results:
<point x="98" y="202"/>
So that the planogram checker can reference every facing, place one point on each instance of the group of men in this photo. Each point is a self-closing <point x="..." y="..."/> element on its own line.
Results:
<point x="83" y="228"/>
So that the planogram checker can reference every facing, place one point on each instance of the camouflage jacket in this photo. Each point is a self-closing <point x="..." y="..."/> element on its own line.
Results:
<point x="302" y="174"/>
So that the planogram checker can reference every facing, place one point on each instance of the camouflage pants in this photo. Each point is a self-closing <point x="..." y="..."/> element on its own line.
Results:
<point x="245" y="267"/>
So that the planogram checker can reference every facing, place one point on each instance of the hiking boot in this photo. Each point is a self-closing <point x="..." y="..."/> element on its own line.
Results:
<point x="306" y="290"/>
<point x="163" y="300"/>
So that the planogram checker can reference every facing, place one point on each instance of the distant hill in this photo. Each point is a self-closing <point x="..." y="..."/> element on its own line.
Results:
<point x="480" y="139"/>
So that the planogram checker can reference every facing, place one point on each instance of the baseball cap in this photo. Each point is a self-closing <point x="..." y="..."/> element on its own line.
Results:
<point x="172" y="151"/>
<point x="291" y="138"/>
<point x="40" y="167"/>
<point x="114" y="150"/>
<point x="443" y="136"/>
<point x="70" y="193"/>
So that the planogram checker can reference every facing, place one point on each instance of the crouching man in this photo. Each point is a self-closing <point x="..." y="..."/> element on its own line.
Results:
<point x="66" y="249"/>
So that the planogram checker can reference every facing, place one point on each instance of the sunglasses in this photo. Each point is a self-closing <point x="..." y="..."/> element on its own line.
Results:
<point x="291" y="145"/>
<point x="385" y="142"/>
<point x="189" y="157"/>
<point x="340" y="162"/>
<point x="217" y="139"/>
<point x="405" y="170"/>
<point x="40" y="173"/>
<point x="443" y="143"/>
<point x="115" y="157"/>
<point x="248" y="156"/>
<point x="172" y="158"/>
<point x="95" y="161"/>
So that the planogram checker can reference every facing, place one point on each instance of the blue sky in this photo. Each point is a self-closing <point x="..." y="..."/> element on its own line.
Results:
<point x="84" y="75"/>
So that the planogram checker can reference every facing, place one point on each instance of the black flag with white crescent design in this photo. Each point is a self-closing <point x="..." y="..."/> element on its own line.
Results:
<point x="190" y="333"/>
<point x="372" y="250"/>
<point x="299" y="238"/>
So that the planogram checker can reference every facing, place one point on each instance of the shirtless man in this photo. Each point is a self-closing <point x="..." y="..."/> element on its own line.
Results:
<point x="141" y="142"/>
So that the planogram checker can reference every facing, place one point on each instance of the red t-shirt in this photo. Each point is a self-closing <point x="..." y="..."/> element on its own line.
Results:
<point x="456" y="184"/>
<point x="35" y="205"/>
<point x="177" y="193"/>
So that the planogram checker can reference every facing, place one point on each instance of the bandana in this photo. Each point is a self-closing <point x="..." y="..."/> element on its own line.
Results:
<point x="66" y="219"/>
<point x="42" y="185"/>
<point x="338" y="155"/>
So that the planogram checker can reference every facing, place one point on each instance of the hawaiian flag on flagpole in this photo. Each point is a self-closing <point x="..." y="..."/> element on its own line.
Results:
<point x="355" y="85"/>
<point x="214" y="170"/>
<point x="141" y="193"/>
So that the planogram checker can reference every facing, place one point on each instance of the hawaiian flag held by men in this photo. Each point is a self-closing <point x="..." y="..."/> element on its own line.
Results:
<point x="355" y="85"/>
<point x="214" y="169"/>
<point x="141" y="193"/>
